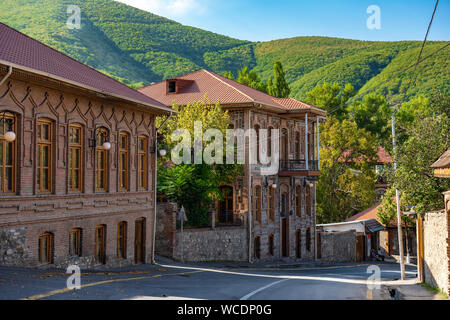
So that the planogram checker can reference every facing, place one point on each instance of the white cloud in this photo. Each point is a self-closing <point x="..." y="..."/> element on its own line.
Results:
<point x="169" y="8"/>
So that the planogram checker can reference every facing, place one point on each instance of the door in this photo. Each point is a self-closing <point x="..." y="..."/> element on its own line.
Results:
<point x="319" y="245"/>
<point x="139" y="241"/>
<point x="226" y="206"/>
<point x="100" y="244"/>
<point x="284" y="146"/>
<point x="360" y="244"/>
<point x="284" y="226"/>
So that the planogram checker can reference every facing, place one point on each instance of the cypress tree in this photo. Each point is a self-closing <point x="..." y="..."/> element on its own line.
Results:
<point x="282" y="89"/>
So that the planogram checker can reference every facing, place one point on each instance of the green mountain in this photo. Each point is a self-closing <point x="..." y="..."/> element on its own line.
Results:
<point x="137" y="47"/>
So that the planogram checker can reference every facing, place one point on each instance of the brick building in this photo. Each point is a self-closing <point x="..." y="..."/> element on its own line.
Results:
<point x="76" y="161"/>
<point x="277" y="211"/>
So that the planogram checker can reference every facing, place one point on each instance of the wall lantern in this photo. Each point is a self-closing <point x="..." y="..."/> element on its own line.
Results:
<point x="274" y="186"/>
<point x="10" y="135"/>
<point x="103" y="136"/>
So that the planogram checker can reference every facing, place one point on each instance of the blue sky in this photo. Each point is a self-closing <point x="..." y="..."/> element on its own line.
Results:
<point x="263" y="20"/>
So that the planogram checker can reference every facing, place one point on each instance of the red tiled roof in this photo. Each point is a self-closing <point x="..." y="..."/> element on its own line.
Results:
<point x="218" y="87"/>
<point x="367" y="214"/>
<point x="21" y="51"/>
<point x="383" y="156"/>
<point x="371" y="213"/>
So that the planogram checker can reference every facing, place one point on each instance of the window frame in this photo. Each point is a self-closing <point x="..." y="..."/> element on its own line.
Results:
<point x="298" y="200"/>
<point x="99" y="150"/>
<point x="80" y="147"/>
<point x="257" y="203"/>
<point x="143" y="172"/>
<point x="75" y="252"/>
<point x="271" y="204"/>
<point x="39" y="168"/>
<point x="122" y="240"/>
<point x="49" y="248"/>
<point x="3" y="165"/>
<point x="124" y="178"/>
<point x="100" y="257"/>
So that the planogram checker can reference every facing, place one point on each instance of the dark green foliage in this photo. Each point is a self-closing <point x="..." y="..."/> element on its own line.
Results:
<point x="281" y="88"/>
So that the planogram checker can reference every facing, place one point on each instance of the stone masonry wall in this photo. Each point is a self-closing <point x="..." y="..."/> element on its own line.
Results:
<point x="338" y="246"/>
<point x="436" y="262"/>
<point x="12" y="246"/>
<point x="219" y="244"/>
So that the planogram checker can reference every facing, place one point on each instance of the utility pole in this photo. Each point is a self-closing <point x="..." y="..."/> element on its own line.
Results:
<point x="399" y="214"/>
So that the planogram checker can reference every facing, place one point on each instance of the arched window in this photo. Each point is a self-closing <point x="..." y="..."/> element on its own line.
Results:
<point x="123" y="161"/>
<point x="271" y="203"/>
<point x="101" y="172"/>
<point x="308" y="239"/>
<point x="257" y="203"/>
<point x="269" y="142"/>
<point x="8" y="123"/>
<point x="143" y="163"/>
<point x="44" y="155"/>
<point x="258" y="147"/>
<point x="298" y="201"/>
<point x="75" y="157"/>
<point x="100" y="244"/>
<point x="308" y="200"/>
<point x="75" y="242"/>
<point x="297" y="146"/>
<point x="46" y="248"/>
<point x="122" y="240"/>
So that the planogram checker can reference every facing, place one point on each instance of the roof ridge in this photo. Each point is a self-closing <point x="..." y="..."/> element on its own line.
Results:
<point x="76" y="61"/>
<point x="177" y="77"/>
<point x="215" y="76"/>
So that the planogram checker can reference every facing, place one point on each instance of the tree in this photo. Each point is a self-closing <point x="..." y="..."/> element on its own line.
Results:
<point x="281" y="87"/>
<point x="387" y="212"/>
<point x="251" y="79"/>
<point x="195" y="186"/>
<point x="427" y="138"/>
<point x="331" y="97"/>
<point x="373" y="114"/>
<point x="347" y="182"/>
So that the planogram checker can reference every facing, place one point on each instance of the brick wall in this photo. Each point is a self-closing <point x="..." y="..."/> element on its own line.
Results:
<point x="166" y="229"/>
<point x="25" y="215"/>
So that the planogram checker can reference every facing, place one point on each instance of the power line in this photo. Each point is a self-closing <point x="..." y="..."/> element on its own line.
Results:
<point x="423" y="46"/>
<point x="419" y="60"/>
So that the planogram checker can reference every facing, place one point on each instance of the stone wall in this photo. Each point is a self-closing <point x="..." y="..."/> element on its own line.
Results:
<point x="338" y="246"/>
<point x="219" y="244"/>
<point x="436" y="246"/>
<point x="12" y="246"/>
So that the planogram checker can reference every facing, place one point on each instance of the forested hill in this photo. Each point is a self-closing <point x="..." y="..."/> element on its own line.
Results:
<point x="137" y="47"/>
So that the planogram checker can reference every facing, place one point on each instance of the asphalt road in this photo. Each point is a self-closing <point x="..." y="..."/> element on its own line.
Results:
<point x="172" y="281"/>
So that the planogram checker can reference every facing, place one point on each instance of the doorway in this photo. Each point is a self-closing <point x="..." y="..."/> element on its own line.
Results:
<point x="226" y="206"/>
<point x="139" y="241"/>
<point x="100" y="244"/>
<point x="284" y="226"/>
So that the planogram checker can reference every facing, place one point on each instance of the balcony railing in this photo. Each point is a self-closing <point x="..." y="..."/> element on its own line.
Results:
<point x="299" y="165"/>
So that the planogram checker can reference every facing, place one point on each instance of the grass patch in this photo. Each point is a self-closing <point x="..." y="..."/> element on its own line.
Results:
<point x="439" y="293"/>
